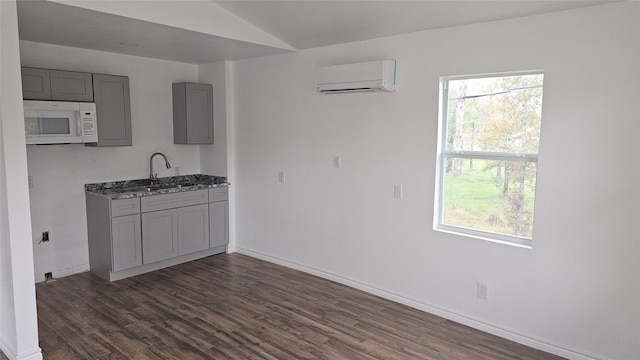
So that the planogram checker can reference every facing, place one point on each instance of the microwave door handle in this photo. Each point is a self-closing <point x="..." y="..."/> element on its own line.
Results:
<point x="79" y="127"/>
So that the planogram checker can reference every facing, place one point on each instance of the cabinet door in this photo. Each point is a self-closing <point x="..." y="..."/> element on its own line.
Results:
<point x="113" y="110"/>
<point x="126" y="242"/>
<point x="36" y="84"/>
<point x="193" y="113"/>
<point x="71" y="86"/>
<point x="199" y="114"/>
<point x="218" y="223"/>
<point x="159" y="235"/>
<point x="193" y="228"/>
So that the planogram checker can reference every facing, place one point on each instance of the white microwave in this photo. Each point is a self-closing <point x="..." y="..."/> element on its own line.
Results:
<point x="57" y="122"/>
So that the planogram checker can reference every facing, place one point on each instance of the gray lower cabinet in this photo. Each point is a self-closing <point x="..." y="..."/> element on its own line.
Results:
<point x="126" y="242"/>
<point x="113" y="110"/>
<point x="159" y="235"/>
<point x="136" y="235"/>
<point x="114" y="234"/>
<point x="192" y="113"/>
<point x="170" y="233"/>
<point x="193" y="229"/>
<point x="174" y="224"/>
<point x="218" y="217"/>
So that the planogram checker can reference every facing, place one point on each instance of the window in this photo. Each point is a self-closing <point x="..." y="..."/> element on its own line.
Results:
<point x="488" y="155"/>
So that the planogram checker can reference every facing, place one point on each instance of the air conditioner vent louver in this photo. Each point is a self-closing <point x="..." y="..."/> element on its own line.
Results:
<point x="349" y="90"/>
<point x="371" y="76"/>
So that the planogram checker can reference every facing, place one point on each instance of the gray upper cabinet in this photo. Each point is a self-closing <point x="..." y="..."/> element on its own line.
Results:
<point x="58" y="85"/>
<point x="36" y="84"/>
<point x="113" y="110"/>
<point x="71" y="86"/>
<point x="192" y="113"/>
<point x="109" y="92"/>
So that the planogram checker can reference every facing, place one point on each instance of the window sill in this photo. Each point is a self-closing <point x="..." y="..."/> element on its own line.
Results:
<point x="454" y="231"/>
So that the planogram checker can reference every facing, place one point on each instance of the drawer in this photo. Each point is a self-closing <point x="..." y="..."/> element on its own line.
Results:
<point x="218" y="194"/>
<point x="174" y="200"/>
<point x="123" y="207"/>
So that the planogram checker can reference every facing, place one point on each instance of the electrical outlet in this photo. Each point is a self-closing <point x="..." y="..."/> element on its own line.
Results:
<point x="482" y="291"/>
<point x="397" y="191"/>
<point x="282" y="177"/>
<point x="337" y="161"/>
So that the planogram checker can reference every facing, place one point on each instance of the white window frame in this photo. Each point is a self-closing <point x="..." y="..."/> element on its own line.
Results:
<point x="443" y="154"/>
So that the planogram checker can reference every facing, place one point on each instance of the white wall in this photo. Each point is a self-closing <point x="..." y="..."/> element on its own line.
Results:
<point x="213" y="158"/>
<point x="217" y="159"/>
<point x="60" y="171"/>
<point x="576" y="293"/>
<point x="18" y="319"/>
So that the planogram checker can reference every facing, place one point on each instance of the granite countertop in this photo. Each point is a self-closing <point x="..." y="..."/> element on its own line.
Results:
<point x="145" y="187"/>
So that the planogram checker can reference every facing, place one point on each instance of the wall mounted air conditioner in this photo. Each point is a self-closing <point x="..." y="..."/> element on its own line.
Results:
<point x="360" y="77"/>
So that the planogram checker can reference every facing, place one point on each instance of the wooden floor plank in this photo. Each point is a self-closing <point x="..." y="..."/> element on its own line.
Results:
<point x="237" y="307"/>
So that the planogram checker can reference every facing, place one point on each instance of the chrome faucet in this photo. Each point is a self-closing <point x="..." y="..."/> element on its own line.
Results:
<point x="154" y="177"/>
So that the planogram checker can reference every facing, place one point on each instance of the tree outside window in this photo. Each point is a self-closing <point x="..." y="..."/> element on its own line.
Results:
<point x="489" y="153"/>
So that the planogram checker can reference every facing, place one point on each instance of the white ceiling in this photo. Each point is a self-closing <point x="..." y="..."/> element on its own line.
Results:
<point x="309" y="24"/>
<point x="301" y="24"/>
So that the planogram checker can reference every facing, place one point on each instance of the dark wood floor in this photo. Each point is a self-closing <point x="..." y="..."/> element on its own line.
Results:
<point x="238" y="307"/>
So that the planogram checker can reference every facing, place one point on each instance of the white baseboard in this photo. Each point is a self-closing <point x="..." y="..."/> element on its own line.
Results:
<point x="10" y="353"/>
<point x="32" y="355"/>
<point x="494" y="329"/>
<point x="60" y="273"/>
